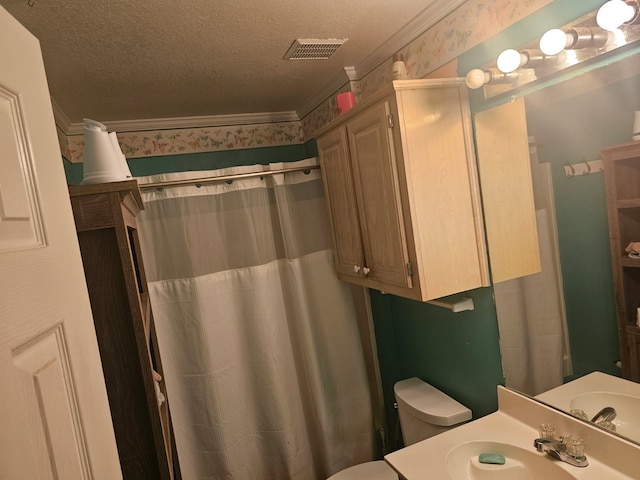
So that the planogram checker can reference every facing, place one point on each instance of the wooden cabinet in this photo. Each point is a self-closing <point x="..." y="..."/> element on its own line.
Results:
<point x="506" y="183"/>
<point x="622" y="180"/>
<point x="401" y="184"/>
<point x="106" y="226"/>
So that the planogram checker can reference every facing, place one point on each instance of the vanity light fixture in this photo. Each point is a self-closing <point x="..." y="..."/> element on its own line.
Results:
<point x="584" y="39"/>
<point x="615" y="13"/>
<point x="510" y="60"/>
<point x="555" y="40"/>
<point x="476" y="78"/>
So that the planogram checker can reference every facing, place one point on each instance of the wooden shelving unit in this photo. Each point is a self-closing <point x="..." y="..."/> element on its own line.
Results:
<point x="105" y="218"/>
<point x="622" y="177"/>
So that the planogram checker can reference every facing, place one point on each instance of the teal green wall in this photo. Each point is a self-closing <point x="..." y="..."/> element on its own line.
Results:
<point x="455" y="352"/>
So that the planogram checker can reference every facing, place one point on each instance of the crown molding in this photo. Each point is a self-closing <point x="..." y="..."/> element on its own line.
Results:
<point x="61" y="120"/>
<point x="432" y="14"/>
<point x="176" y="123"/>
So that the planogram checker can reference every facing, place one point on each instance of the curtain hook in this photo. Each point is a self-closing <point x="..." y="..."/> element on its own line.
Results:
<point x="588" y="167"/>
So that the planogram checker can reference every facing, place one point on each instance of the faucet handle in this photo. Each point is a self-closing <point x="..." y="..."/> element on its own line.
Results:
<point x="574" y="446"/>
<point x="579" y="414"/>
<point x="547" y="430"/>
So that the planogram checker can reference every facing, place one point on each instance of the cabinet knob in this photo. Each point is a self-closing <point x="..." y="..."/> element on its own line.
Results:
<point x="356" y="268"/>
<point x="366" y="271"/>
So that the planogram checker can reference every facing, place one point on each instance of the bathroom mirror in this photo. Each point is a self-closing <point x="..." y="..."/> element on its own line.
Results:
<point x="561" y="324"/>
<point x="608" y="401"/>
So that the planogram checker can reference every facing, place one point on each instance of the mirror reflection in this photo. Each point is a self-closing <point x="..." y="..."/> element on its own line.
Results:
<point x="561" y="324"/>
<point x="607" y="401"/>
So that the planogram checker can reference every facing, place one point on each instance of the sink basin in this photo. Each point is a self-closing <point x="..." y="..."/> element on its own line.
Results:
<point x="627" y="420"/>
<point x="520" y="464"/>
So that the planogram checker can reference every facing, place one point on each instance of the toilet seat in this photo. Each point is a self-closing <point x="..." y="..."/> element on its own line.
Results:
<point x="378" y="470"/>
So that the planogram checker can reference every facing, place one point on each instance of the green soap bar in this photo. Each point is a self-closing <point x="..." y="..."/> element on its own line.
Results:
<point x="492" y="458"/>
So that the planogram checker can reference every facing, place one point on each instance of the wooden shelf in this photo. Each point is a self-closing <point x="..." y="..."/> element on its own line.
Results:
<point x="629" y="203"/>
<point x="630" y="262"/>
<point x="107" y="233"/>
<point x="622" y="181"/>
<point x="633" y="329"/>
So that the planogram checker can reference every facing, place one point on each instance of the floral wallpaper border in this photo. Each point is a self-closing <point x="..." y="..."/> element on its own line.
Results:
<point x="466" y="27"/>
<point x="469" y="25"/>
<point x="194" y="140"/>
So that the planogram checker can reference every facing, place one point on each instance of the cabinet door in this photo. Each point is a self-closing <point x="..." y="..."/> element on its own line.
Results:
<point x="507" y="191"/>
<point x="341" y="200"/>
<point x="378" y="196"/>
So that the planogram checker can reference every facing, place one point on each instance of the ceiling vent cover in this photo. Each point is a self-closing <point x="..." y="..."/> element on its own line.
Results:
<point x="313" y="48"/>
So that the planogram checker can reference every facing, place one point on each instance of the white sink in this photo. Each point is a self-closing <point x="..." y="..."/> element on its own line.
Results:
<point x="627" y="407"/>
<point x="520" y="464"/>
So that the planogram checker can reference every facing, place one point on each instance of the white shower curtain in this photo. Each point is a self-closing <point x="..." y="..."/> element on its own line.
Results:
<point x="531" y="314"/>
<point x="259" y="342"/>
<point x="530" y="323"/>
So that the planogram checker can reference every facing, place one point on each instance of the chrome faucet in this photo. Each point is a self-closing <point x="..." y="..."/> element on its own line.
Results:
<point x="568" y="449"/>
<point x="604" y="418"/>
<point x="607" y="414"/>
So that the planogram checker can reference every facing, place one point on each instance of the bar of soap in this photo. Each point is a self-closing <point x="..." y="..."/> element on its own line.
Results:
<point x="491" y="458"/>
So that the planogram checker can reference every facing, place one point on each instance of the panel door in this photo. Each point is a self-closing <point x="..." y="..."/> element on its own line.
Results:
<point x="53" y="407"/>
<point x="378" y="194"/>
<point x="341" y="199"/>
<point x="507" y="191"/>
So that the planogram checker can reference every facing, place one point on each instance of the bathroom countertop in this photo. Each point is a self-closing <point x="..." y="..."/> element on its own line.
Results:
<point x="511" y="431"/>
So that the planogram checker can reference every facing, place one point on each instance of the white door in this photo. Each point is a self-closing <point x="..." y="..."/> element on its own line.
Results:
<point x="54" y="415"/>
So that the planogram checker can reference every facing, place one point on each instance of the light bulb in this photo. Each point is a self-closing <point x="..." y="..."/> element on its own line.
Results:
<point x="614" y="13"/>
<point x="476" y="78"/>
<point x="553" y="41"/>
<point x="509" y="60"/>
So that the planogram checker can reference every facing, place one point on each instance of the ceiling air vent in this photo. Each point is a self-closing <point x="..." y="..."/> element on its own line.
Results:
<point x="313" y="48"/>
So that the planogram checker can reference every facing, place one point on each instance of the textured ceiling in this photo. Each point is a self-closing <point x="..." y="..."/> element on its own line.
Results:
<point x="118" y="60"/>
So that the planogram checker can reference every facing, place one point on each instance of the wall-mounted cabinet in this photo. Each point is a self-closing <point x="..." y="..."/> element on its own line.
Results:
<point x="622" y="180"/>
<point x="402" y="188"/>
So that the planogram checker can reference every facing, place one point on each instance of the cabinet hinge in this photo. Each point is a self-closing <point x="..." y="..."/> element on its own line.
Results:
<point x="409" y="269"/>
<point x="390" y="120"/>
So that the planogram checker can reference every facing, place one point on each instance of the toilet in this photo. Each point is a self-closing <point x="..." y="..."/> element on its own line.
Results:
<point x="424" y="412"/>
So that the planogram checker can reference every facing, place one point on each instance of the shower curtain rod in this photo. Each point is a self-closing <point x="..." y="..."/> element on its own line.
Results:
<point x="223" y="178"/>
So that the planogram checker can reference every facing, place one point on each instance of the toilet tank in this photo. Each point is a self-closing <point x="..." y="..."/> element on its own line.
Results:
<point x="425" y="411"/>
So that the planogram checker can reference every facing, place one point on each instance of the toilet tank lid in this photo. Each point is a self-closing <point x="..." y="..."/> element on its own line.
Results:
<point x="429" y="404"/>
